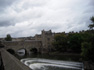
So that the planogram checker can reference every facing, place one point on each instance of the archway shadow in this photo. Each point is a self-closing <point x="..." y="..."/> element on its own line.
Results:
<point x="11" y="51"/>
<point x="34" y="50"/>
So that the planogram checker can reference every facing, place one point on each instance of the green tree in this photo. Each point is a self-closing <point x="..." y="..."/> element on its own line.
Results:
<point x="91" y="26"/>
<point x="75" y="41"/>
<point x="87" y="46"/>
<point x="87" y="51"/>
<point x="60" y="42"/>
<point x="8" y="37"/>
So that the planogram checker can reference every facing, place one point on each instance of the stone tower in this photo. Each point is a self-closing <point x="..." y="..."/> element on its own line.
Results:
<point x="47" y="39"/>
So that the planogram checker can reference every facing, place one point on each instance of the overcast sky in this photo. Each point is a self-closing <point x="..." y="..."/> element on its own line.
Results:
<point x="21" y="18"/>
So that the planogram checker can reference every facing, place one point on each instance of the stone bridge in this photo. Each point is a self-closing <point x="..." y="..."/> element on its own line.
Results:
<point x="27" y="45"/>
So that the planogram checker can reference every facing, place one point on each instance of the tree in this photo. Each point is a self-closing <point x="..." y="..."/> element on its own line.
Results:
<point x="87" y="51"/>
<point x="8" y="37"/>
<point x="92" y="19"/>
<point x="87" y="46"/>
<point x="60" y="42"/>
<point x="75" y="41"/>
<point x="91" y="26"/>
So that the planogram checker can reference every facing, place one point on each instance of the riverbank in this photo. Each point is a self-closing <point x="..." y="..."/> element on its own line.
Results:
<point x="88" y="65"/>
<point x="68" y="56"/>
<point x="58" y="53"/>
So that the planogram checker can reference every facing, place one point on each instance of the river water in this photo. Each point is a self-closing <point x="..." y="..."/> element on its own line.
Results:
<point x="48" y="64"/>
<point x="52" y="62"/>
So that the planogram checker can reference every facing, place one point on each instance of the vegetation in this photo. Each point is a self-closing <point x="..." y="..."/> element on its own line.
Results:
<point x="75" y="42"/>
<point x="68" y="42"/>
<point x="91" y="26"/>
<point x="82" y="42"/>
<point x="88" y="49"/>
<point x="60" y="42"/>
<point x="8" y="37"/>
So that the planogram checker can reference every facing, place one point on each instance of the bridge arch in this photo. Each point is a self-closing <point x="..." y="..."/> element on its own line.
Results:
<point x="27" y="45"/>
<point x="21" y="51"/>
<point x="11" y="51"/>
<point x="34" y="50"/>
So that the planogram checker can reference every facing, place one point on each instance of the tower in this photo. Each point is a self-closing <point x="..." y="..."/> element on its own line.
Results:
<point x="47" y="38"/>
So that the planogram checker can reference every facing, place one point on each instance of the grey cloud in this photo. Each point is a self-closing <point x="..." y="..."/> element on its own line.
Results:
<point x="46" y="26"/>
<point x="32" y="5"/>
<point x="5" y="3"/>
<point x="92" y="2"/>
<point x="57" y="15"/>
<point x="4" y="22"/>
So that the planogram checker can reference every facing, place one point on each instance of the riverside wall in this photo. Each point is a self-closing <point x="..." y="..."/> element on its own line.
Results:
<point x="10" y="62"/>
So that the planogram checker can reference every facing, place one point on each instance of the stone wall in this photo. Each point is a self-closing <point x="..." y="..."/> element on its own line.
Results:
<point x="17" y="45"/>
<point x="12" y="63"/>
<point x="47" y="39"/>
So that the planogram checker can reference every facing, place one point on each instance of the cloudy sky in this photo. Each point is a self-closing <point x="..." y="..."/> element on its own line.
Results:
<point x="22" y="18"/>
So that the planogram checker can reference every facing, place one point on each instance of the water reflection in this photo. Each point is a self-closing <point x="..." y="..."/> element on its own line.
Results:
<point x="21" y="52"/>
<point x="56" y="57"/>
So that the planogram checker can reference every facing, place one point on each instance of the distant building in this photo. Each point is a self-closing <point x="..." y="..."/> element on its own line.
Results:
<point x="38" y="37"/>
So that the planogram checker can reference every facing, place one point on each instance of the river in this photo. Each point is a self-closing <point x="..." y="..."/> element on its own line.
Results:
<point x="48" y="64"/>
<point x="52" y="62"/>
